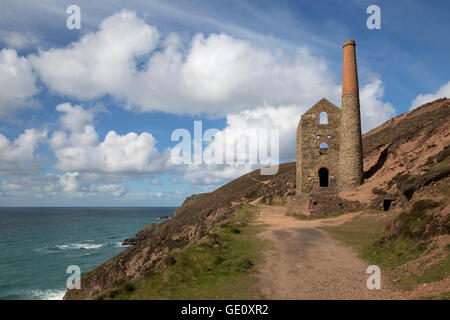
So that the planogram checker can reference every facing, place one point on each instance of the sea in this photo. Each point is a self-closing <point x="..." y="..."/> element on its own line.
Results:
<point x="37" y="245"/>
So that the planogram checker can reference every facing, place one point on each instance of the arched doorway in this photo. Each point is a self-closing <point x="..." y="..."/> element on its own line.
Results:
<point x="323" y="177"/>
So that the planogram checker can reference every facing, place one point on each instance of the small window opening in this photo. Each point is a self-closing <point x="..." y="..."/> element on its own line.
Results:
<point x="323" y="148"/>
<point x="323" y="177"/>
<point x="323" y="118"/>
<point x="387" y="204"/>
<point x="329" y="136"/>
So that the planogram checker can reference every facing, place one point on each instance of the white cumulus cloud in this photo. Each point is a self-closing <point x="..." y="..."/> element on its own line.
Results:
<point x="99" y="63"/>
<point x="421" y="99"/>
<point x="69" y="185"/>
<point x="19" y="156"/>
<point x="285" y="119"/>
<point x="216" y="74"/>
<point x="18" y="40"/>
<point x="17" y="82"/>
<point x="374" y="111"/>
<point x="78" y="147"/>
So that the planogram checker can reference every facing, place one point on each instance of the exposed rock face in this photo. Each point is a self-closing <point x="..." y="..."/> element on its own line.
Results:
<point x="189" y="202"/>
<point x="416" y="142"/>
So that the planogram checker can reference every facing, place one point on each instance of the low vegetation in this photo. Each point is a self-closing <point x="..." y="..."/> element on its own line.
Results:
<point x="392" y="240"/>
<point x="379" y="191"/>
<point x="217" y="266"/>
<point x="303" y="217"/>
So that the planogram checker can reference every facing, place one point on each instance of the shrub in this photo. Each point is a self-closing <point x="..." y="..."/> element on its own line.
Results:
<point x="379" y="191"/>
<point x="423" y="205"/>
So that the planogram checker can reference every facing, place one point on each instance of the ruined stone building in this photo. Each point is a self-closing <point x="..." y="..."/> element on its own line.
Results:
<point x="329" y="148"/>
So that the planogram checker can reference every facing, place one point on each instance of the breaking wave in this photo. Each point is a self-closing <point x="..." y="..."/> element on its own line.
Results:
<point x="77" y="246"/>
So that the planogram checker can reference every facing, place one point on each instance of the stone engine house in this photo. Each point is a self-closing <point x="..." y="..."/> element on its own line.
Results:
<point x="329" y="148"/>
<point x="318" y="149"/>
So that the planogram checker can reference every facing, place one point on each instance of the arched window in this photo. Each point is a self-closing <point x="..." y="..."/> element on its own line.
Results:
<point x="323" y="177"/>
<point x="323" y="148"/>
<point x="323" y="118"/>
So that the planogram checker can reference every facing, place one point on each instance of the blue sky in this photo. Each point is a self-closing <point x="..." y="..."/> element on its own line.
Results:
<point x="86" y="116"/>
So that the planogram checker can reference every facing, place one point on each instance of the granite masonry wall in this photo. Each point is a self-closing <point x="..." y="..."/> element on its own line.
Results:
<point x="310" y="157"/>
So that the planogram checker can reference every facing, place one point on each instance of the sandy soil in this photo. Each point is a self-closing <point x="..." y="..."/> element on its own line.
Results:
<point x="304" y="262"/>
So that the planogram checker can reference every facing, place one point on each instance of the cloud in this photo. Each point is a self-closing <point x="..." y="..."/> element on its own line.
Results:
<point x="19" y="156"/>
<point x="374" y="111"/>
<point x="17" y="82"/>
<point x="421" y="99"/>
<point x="99" y="63"/>
<point x="216" y="74"/>
<point x="156" y="195"/>
<point x="77" y="147"/>
<point x="154" y="181"/>
<point x="18" y="40"/>
<point x="69" y="185"/>
<point x="214" y="174"/>
<point x="174" y="180"/>
<point x="239" y="127"/>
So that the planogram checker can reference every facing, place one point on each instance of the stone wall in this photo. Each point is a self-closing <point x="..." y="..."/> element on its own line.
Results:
<point x="310" y="134"/>
<point x="320" y="204"/>
<point x="298" y="204"/>
<point x="350" y="153"/>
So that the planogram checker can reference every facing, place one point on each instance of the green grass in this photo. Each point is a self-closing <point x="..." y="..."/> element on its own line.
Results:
<point x="442" y="296"/>
<point x="379" y="191"/>
<point x="390" y="240"/>
<point x="435" y="272"/>
<point x="396" y="253"/>
<point x="273" y="203"/>
<point x="218" y="266"/>
<point x="303" y="217"/>
<point x="361" y="230"/>
<point x="363" y="233"/>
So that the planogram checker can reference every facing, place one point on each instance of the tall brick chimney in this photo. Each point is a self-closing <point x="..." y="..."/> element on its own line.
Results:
<point x="350" y="149"/>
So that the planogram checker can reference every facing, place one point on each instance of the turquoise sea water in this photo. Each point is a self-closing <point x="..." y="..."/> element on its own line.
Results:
<point x="38" y="244"/>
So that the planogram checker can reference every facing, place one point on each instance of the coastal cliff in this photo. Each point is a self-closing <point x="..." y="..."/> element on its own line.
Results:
<point x="403" y="159"/>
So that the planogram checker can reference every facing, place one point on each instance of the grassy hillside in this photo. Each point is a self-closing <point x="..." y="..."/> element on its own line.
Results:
<point x="411" y="245"/>
<point x="217" y="266"/>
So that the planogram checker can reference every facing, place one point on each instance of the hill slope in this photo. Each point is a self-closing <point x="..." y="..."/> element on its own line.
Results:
<point x="402" y="158"/>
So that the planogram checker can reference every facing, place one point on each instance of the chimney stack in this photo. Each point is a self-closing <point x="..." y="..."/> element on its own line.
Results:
<point x="350" y="149"/>
<point x="349" y="71"/>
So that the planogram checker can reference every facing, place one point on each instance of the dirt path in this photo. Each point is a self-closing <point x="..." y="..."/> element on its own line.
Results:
<point x="304" y="262"/>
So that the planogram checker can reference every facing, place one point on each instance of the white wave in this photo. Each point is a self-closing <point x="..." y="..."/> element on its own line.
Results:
<point x="48" y="294"/>
<point x="42" y="250"/>
<point x="76" y="246"/>
<point x="120" y="245"/>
